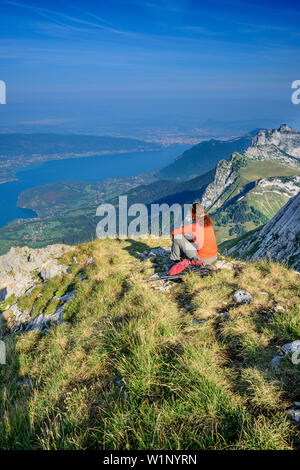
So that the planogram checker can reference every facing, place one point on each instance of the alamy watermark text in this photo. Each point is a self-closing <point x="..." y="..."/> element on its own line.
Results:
<point x="296" y="93"/>
<point x="2" y="92"/>
<point x="2" y="353"/>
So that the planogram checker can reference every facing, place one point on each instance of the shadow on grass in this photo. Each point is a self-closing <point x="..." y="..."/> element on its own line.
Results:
<point x="136" y="247"/>
<point x="15" y="391"/>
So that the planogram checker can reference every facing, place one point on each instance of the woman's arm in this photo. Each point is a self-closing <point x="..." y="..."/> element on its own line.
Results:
<point x="195" y="229"/>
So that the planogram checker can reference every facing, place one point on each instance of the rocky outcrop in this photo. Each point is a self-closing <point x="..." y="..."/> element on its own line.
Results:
<point x="271" y="152"/>
<point x="24" y="322"/>
<point x="278" y="240"/>
<point x="20" y="268"/>
<point x="285" y="138"/>
<point x="285" y="186"/>
<point x="20" y="271"/>
<point x="225" y="176"/>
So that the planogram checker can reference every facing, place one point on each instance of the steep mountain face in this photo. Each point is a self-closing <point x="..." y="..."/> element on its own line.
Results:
<point x="231" y="174"/>
<point x="271" y="152"/>
<point x="285" y="138"/>
<point x="266" y="146"/>
<point x="203" y="157"/>
<point x="279" y="239"/>
<point x="250" y="188"/>
<point x="226" y="174"/>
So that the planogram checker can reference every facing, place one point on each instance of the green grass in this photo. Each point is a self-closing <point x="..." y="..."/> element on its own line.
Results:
<point x="130" y="369"/>
<point x="266" y="169"/>
<point x="267" y="203"/>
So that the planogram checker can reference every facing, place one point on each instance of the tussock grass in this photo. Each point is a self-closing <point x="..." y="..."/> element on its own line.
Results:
<point x="131" y="369"/>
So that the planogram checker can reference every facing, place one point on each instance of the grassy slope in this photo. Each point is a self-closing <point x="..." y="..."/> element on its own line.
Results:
<point x="266" y="169"/>
<point x="131" y="369"/>
<point x="254" y="171"/>
<point x="267" y="203"/>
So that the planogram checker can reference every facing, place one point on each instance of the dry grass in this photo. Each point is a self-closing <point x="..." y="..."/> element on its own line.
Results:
<point x="131" y="369"/>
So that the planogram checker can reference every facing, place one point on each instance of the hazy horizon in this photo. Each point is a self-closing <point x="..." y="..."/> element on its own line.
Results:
<point x="135" y="67"/>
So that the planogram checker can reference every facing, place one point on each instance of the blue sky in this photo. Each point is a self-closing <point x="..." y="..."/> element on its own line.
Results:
<point x="112" y="62"/>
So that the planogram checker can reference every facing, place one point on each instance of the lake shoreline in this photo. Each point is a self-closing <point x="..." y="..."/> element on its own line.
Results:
<point x="90" y="169"/>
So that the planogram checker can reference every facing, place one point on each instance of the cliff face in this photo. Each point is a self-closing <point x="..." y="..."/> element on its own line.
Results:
<point x="280" y="146"/>
<point x="224" y="177"/>
<point x="278" y="240"/>
<point x="285" y="138"/>
<point x="272" y="152"/>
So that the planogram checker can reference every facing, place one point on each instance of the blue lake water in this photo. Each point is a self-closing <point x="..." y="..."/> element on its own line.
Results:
<point x="95" y="168"/>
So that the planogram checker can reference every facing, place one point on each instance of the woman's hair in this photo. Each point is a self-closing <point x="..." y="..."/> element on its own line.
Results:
<point x="207" y="221"/>
<point x="198" y="210"/>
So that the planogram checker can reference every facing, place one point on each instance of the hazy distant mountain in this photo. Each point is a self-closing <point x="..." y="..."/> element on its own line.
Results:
<point x="21" y="150"/>
<point x="238" y="127"/>
<point x="30" y="144"/>
<point x="203" y="157"/>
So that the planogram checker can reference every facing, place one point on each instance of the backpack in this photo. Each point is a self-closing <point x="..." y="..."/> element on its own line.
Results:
<point x="177" y="268"/>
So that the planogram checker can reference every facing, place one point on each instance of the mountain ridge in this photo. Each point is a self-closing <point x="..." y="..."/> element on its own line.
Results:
<point x="203" y="157"/>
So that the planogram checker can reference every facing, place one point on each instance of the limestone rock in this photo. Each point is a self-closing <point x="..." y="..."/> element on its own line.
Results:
<point x="290" y="348"/>
<point x="224" y="314"/>
<point x="52" y="269"/>
<point x="278" y="240"/>
<point x="20" y="266"/>
<point x="224" y="177"/>
<point x="294" y="414"/>
<point x="241" y="297"/>
<point x="286" y="138"/>
<point x="21" y="321"/>
<point x="276" y="361"/>
<point x="223" y="264"/>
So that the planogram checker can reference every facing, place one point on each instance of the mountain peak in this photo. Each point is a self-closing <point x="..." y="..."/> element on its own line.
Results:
<point x="286" y="128"/>
<point x="285" y="138"/>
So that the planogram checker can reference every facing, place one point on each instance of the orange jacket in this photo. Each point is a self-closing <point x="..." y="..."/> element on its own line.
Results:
<point x="204" y="237"/>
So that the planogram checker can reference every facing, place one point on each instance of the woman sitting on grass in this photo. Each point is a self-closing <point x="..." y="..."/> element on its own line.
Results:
<point x="197" y="240"/>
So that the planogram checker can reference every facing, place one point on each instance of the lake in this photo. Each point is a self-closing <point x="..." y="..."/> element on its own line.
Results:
<point x="95" y="168"/>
